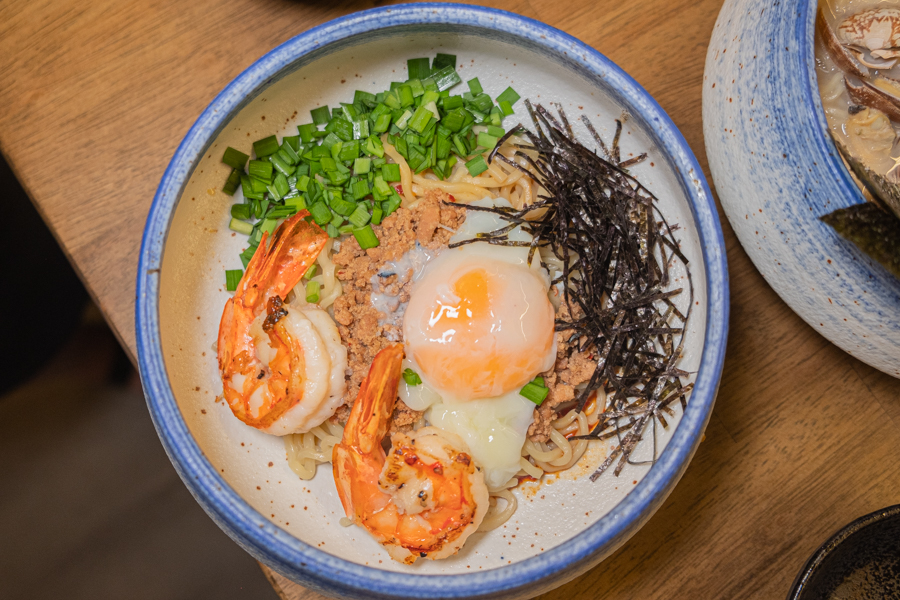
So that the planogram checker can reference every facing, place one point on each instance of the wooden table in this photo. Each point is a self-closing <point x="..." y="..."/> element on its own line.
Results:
<point x="804" y="438"/>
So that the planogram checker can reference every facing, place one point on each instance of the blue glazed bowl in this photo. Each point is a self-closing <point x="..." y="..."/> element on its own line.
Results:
<point x="183" y="255"/>
<point x="777" y="170"/>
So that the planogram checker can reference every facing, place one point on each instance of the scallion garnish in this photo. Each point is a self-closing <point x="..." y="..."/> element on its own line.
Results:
<point x="320" y="115"/>
<point x="232" y="279"/>
<point x="418" y="68"/>
<point x="312" y="291"/>
<point x="508" y="95"/>
<point x="536" y="392"/>
<point x="265" y="146"/>
<point x="235" y="158"/>
<point x="366" y="237"/>
<point x="240" y="211"/>
<point x="476" y="166"/>
<point x="261" y="169"/>
<point x="340" y="174"/>
<point x="232" y="183"/>
<point x="411" y="377"/>
<point x="443" y="60"/>
<point x="240" y="226"/>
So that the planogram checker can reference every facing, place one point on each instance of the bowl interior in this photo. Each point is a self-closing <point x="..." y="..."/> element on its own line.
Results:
<point x="199" y="247"/>
<point x="860" y="561"/>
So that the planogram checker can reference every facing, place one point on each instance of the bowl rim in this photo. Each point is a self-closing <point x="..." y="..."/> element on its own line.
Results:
<point x="823" y="552"/>
<point x="291" y="556"/>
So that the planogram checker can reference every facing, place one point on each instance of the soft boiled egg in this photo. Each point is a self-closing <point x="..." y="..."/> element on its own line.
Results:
<point x="480" y="325"/>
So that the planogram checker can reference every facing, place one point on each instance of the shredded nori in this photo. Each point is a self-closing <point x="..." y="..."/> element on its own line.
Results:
<point x="617" y="251"/>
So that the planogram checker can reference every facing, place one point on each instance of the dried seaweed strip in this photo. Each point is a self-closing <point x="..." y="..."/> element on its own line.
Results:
<point x="616" y="250"/>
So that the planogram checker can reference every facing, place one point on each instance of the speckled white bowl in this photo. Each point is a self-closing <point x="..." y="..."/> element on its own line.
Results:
<point x="777" y="171"/>
<point x="239" y="475"/>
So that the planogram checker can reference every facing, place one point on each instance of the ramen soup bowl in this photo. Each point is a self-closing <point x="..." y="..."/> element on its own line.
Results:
<point x="777" y="170"/>
<point x="239" y="475"/>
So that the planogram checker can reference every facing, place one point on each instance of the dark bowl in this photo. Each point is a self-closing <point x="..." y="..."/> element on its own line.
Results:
<point x="859" y="562"/>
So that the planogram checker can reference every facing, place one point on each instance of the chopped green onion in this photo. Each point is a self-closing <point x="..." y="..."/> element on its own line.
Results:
<point x="310" y="272"/>
<point x="508" y="95"/>
<point x="390" y="172"/>
<point x="406" y="95"/>
<point x="362" y="166"/>
<point x="452" y="103"/>
<point x="360" y="216"/>
<point x="486" y="140"/>
<point x="454" y="120"/>
<point x="240" y="226"/>
<point x="534" y="392"/>
<point x="247" y="254"/>
<point x="374" y="146"/>
<point x="349" y="151"/>
<point x="475" y="86"/>
<point x="268" y="226"/>
<point x="377" y="215"/>
<point x="341" y="206"/>
<point x="293" y="141"/>
<point x="476" y="166"/>
<point x="240" y="211"/>
<point x="307" y="131"/>
<point x="234" y="158"/>
<point x="539" y="381"/>
<point x="320" y="115"/>
<point x="416" y="86"/>
<point x="411" y="377"/>
<point x="232" y="279"/>
<point x="360" y="189"/>
<point x="282" y="165"/>
<point x="496" y="131"/>
<point x="506" y="107"/>
<point x="320" y="212"/>
<point x="232" y="183"/>
<point x="366" y="237"/>
<point x="420" y="119"/>
<point x="404" y="119"/>
<point x="297" y="203"/>
<point x="360" y="128"/>
<point x="287" y="153"/>
<point x="443" y="60"/>
<point x="312" y="291"/>
<point x="418" y="68"/>
<point x="446" y="78"/>
<point x="340" y="127"/>
<point x="382" y="123"/>
<point x="360" y="97"/>
<point x="392" y="204"/>
<point x="261" y="169"/>
<point x="265" y="146"/>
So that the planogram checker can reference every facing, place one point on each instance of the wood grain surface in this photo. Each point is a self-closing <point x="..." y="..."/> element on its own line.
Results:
<point x="804" y="438"/>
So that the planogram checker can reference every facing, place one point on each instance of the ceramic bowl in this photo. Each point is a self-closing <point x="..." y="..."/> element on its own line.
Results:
<point x="777" y="170"/>
<point x="240" y="476"/>
<point x="862" y="560"/>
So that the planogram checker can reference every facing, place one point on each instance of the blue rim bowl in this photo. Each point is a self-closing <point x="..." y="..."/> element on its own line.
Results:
<point x="330" y="574"/>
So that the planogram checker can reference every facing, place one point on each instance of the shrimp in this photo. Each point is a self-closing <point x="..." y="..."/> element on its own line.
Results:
<point x="426" y="496"/>
<point x="278" y="362"/>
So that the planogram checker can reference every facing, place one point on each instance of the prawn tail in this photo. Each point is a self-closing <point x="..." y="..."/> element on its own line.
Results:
<point x="371" y="413"/>
<point x="294" y="247"/>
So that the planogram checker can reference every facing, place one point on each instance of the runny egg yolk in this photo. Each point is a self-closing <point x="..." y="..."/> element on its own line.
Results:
<point x="479" y="328"/>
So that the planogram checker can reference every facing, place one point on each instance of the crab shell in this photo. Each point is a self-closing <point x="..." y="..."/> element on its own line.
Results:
<point x="877" y="30"/>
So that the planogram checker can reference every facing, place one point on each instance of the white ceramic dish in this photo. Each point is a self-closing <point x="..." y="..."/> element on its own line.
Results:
<point x="240" y="475"/>
<point x="777" y="171"/>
